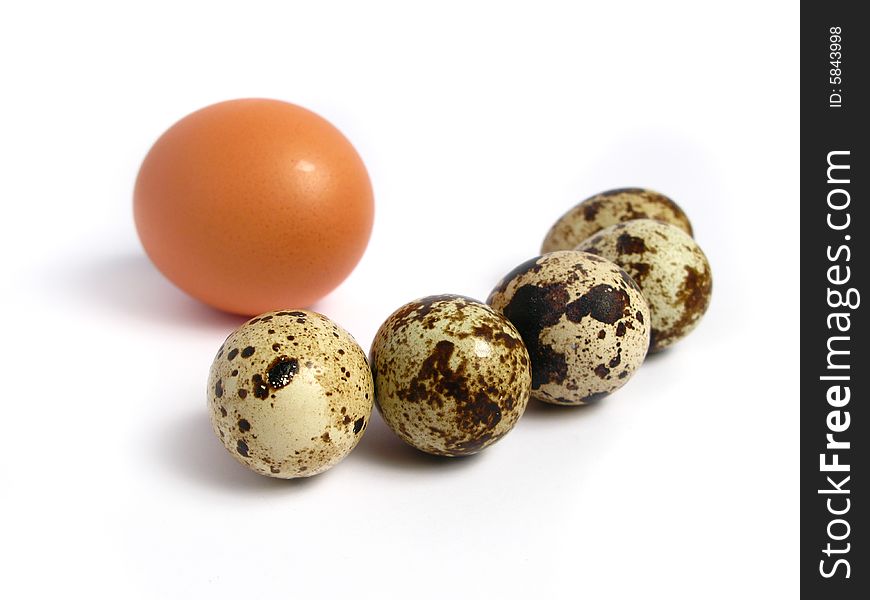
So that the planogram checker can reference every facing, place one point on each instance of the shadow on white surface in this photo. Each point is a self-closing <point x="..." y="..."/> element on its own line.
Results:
<point x="130" y="285"/>
<point x="542" y="411"/>
<point x="192" y="451"/>
<point x="662" y="356"/>
<point x="381" y="446"/>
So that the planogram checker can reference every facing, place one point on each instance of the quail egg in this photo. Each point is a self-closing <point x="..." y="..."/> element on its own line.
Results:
<point x="670" y="269"/>
<point x="583" y="320"/>
<point x="608" y="208"/>
<point x="290" y="393"/>
<point x="451" y="375"/>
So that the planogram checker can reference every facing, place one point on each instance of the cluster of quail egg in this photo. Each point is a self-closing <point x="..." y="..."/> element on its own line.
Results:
<point x="290" y="393"/>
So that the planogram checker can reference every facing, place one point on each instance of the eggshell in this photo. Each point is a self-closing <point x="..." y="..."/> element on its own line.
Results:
<point x="608" y="208"/>
<point x="253" y="204"/>
<point x="451" y="375"/>
<point x="290" y="394"/>
<point x="670" y="268"/>
<point x="583" y="320"/>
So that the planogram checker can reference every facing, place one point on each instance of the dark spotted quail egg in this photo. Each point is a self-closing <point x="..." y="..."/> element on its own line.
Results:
<point x="670" y="269"/>
<point x="583" y="320"/>
<point x="451" y="375"/>
<point x="608" y="208"/>
<point x="290" y="393"/>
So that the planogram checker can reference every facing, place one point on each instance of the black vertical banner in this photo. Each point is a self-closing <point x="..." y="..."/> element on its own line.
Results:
<point x="835" y="361"/>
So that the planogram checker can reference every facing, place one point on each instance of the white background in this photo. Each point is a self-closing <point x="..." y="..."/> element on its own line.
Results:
<point x="480" y="124"/>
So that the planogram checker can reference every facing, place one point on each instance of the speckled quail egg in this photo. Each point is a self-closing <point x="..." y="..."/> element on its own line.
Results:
<point x="583" y="320"/>
<point x="290" y="393"/>
<point x="609" y="208"/>
<point x="451" y="375"/>
<point x="670" y="269"/>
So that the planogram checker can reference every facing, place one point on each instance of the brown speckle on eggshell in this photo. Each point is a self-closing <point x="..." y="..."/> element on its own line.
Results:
<point x="295" y="411"/>
<point x="451" y="375"/>
<point x="583" y="320"/>
<point x="670" y="268"/>
<point x="609" y="208"/>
